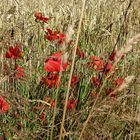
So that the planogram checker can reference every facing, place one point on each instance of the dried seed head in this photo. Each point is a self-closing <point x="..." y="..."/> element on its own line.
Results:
<point x="69" y="34"/>
<point x="128" y="79"/>
<point x="125" y="84"/>
<point x="127" y="48"/>
<point x="65" y="58"/>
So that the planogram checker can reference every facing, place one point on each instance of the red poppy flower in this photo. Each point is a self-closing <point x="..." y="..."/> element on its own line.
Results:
<point x="72" y="104"/>
<point x="4" y="106"/>
<point x="19" y="72"/>
<point x="96" y="61"/>
<point x="94" y="58"/>
<point x="54" y="35"/>
<point x="44" y="19"/>
<point x="95" y="81"/>
<point x="39" y="16"/>
<point x="99" y="65"/>
<point x="61" y="38"/>
<point x="13" y="52"/>
<point x="51" y="80"/>
<point x="55" y="64"/>
<point x="108" y="68"/>
<point x="80" y="54"/>
<point x="74" y="80"/>
<point x="118" y="81"/>
<point x="8" y="54"/>
<point x="51" y="36"/>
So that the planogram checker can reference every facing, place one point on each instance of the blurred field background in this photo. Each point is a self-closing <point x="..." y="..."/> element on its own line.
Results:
<point x="106" y="24"/>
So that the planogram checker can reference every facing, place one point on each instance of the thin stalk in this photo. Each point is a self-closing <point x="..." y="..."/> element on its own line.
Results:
<point x="55" y="107"/>
<point x="91" y="112"/>
<point x="71" y="71"/>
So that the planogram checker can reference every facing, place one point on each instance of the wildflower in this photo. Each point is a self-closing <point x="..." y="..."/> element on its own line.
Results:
<point x="4" y="106"/>
<point x="74" y="80"/>
<point x="118" y="81"/>
<point x="96" y="61"/>
<point x="72" y="104"/>
<point x="55" y="64"/>
<point x="39" y="16"/>
<point x="19" y="72"/>
<point x="62" y="37"/>
<point x="51" y="81"/>
<point x="108" y="68"/>
<point x="95" y="81"/>
<point x="51" y="36"/>
<point x="55" y="35"/>
<point x="13" y="52"/>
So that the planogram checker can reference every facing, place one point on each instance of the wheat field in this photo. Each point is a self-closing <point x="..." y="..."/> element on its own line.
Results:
<point x="69" y="70"/>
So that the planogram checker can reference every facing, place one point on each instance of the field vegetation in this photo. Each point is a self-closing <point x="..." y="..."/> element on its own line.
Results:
<point x="69" y="70"/>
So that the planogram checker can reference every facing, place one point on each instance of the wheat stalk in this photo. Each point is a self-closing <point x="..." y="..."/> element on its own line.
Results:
<point x="127" y="48"/>
<point x="71" y="71"/>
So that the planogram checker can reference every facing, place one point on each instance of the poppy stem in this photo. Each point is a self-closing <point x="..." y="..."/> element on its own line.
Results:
<point x="14" y="78"/>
